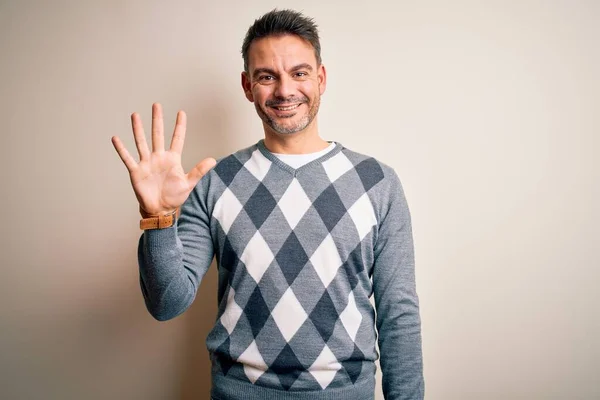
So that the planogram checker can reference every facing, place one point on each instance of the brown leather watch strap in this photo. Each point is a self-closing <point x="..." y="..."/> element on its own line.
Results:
<point x="159" y="221"/>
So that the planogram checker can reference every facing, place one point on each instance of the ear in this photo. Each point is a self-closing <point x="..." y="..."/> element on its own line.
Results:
<point x="322" y="78"/>
<point x="247" y="86"/>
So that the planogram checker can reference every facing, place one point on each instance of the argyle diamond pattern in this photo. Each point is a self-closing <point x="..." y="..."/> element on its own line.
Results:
<point x="293" y="254"/>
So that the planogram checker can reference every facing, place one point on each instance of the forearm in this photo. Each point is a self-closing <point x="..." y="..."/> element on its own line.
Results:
<point x="401" y="350"/>
<point x="164" y="281"/>
<point x="173" y="261"/>
<point x="399" y="326"/>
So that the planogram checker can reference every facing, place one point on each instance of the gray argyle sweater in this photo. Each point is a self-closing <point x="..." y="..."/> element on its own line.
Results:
<point x="299" y="254"/>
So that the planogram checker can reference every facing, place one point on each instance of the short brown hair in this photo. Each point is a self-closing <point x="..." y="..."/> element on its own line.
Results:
<point x="282" y="22"/>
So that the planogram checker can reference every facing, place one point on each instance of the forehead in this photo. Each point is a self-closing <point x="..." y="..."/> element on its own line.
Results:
<point x="282" y="51"/>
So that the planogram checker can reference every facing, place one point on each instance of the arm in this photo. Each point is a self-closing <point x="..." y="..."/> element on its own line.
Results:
<point x="173" y="261"/>
<point x="396" y="300"/>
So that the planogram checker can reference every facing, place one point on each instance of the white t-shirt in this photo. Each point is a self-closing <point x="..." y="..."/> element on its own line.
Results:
<point x="297" y="160"/>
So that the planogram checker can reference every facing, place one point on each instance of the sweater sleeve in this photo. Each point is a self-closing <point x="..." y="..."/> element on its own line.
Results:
<point x="174" y="260"/>
<point x="396" y="301"/>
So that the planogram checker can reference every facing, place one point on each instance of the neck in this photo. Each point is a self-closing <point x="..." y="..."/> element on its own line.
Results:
<point x="303" y="142"/>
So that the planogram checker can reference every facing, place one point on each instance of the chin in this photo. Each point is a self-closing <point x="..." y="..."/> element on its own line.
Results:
<point x="289" y="130"/>
<point x="284" y="131"/>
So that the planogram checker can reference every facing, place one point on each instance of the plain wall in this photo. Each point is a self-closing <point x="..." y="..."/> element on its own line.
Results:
<point x="488" y="110"/>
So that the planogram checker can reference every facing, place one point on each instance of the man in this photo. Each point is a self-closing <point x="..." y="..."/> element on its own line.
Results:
<point x="304" y="232"/>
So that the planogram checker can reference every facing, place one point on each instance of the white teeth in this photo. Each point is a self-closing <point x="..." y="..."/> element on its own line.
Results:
<point x="287" y="108"/>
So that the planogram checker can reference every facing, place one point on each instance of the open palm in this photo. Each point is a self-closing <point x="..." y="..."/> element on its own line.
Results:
<point x="159" y="181"/>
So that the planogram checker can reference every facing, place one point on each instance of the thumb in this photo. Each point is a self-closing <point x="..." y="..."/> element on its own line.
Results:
<point x="200" y="170"/>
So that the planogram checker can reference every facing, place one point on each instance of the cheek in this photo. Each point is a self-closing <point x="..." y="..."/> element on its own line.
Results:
<point x="309" y="88"/>
<point x="261" y="93"/>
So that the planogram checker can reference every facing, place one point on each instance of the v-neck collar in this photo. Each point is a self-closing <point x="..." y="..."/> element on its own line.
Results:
<point x="294" y="171"/>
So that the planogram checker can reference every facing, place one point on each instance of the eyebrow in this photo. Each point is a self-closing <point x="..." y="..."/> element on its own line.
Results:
<point x="259" y="71"/>
<point x="302" y="66"/>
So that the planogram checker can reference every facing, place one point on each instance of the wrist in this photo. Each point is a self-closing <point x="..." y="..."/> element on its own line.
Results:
<point x="146" y="214"/>
<point x="159" y="221"/>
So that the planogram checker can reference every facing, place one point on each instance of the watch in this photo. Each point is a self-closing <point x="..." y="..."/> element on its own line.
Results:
<point x="159" y="221"/>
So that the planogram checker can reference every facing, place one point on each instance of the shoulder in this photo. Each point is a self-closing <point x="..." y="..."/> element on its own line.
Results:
<point x="373" y="172"/>
<point x="228" y="166"/>
<point x="222" y="174"/>
<point x="233" y="162"/>
<point x="382" y="184"/>
<point x="241" y="155"/>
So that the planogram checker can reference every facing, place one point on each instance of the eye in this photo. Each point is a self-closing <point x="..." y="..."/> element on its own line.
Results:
<point x="266" y="77"/>
<point x="301" y="74"/>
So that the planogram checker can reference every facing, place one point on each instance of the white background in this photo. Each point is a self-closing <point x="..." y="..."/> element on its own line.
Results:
<point x="488" y="110"/>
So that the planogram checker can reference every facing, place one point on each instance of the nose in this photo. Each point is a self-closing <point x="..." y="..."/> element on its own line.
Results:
<point x="284" y="87"/>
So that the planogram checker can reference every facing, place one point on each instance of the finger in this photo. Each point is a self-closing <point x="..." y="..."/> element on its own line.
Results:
<point x="158" y="139"/>
<point x="139" y="136"/>
<point x="179" y="133"/>
<point x="127" y="159"/>
<point x="200" y="170"/>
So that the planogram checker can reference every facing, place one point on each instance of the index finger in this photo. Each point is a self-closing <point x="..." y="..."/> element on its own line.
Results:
<point x="139" y="136"/>
<point x="179" y="132"/>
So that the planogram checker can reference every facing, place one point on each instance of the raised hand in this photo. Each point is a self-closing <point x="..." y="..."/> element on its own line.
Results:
<point x="159" y="181"/>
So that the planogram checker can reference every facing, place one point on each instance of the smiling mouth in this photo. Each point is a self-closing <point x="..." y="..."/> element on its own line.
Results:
<point x="287" y="108"/>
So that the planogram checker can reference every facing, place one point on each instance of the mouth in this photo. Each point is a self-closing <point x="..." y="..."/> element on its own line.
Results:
<point x="286" y="108"/>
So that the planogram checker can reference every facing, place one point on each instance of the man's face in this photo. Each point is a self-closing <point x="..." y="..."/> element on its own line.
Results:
<point x="284" y="82"/>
